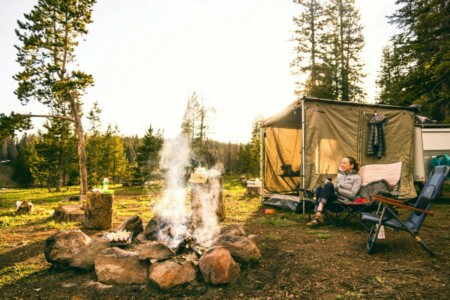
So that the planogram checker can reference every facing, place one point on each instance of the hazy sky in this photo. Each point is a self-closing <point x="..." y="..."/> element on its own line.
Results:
<point x="148" y="56"/>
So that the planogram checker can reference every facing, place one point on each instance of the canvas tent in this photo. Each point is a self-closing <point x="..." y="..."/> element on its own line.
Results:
<point x="304" y="144"/>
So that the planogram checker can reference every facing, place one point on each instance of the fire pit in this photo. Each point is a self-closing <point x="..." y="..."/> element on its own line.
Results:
<point x="174" y="245"/>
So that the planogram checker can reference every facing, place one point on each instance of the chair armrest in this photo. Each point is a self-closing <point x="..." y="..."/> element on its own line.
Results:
<point x="393" y="194"/>
<point x="399" y="204"/>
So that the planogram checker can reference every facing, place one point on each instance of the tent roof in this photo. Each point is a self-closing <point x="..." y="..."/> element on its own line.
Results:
<point x="290" y="117"/>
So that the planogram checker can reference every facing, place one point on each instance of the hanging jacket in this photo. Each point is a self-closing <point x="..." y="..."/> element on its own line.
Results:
<point x="377" y="142"/>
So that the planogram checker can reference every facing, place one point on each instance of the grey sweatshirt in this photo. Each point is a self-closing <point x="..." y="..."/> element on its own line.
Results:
<point x="348" y="185"/>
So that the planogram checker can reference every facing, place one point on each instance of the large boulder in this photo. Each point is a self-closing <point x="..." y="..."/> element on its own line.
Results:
<point x="243" y="249"/>
<point x="168" y="274"/>
<point x="117" y="266"/>
<point x="154" y="251"/>
<point x="218" y="266"/>
<point x="61" y="247"/>
<point x="85" y="258"/>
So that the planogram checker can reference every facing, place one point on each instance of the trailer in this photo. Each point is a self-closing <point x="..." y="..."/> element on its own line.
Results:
<point x="431" y="141"/>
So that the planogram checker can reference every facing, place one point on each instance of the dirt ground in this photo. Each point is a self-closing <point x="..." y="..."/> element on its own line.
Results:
<point x="297" y="263"/>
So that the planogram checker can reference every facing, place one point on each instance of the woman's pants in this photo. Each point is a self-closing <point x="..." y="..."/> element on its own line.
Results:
<point x="325" y="195"/>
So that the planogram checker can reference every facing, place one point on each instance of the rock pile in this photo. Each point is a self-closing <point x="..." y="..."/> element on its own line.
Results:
<point x="145" y="259"/>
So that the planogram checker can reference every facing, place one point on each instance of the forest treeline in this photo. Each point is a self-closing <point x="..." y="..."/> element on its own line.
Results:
<point x="49" y="158"/>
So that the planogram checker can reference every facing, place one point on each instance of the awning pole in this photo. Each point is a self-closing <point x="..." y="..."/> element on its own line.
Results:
<point x="261" y="161"/>
<point x="302" y="153"/>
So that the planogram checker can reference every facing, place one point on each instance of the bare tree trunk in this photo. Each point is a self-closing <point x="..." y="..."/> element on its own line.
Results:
<point x="313" y="48"/>
<point x="81" y="145"/>
<point x="81" y="156"/>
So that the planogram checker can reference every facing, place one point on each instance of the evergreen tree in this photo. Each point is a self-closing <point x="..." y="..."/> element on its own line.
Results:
<point x="148" y="154"/>
<point x="255" y="147"/>
<point x="113" y="162"/>
<point x="243" y="163"/>
<point x="23" y="163"/>
<point x="420" y="58"/>
<point x="56" y="154"/>
<point x="344" y="42"/>
<point x="49" y="36"/>
<point x="328" y="43"/>
<point x="93" y="143"/>
<point x="309" y="28"/>
<point x="389" y="79"/>
<point x="131" y="144"/>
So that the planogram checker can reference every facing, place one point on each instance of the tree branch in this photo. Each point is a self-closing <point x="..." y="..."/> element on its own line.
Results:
<point x="48" y="116"/>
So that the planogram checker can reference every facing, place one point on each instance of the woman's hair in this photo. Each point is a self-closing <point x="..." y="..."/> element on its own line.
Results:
<point x="353" y="162"/>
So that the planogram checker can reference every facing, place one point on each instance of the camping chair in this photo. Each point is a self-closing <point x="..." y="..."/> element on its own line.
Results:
<point x="386" y="215"/>
<point x="377" y="179"/>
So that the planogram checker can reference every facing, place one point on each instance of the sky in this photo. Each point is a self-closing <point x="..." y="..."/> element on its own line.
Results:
<point x="147" y="57"/>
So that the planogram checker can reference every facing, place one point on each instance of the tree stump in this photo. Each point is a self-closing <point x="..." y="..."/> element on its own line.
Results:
<point x="207" y="197"/>
<point x="69" y="213"/>
<point x="98" y="211"/>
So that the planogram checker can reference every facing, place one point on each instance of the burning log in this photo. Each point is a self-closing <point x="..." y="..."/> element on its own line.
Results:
<point x="191" y="244"/>
<point x="167" y="231"/>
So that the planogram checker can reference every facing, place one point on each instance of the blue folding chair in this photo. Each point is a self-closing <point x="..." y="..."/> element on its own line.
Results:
<point x="387" y="216"/>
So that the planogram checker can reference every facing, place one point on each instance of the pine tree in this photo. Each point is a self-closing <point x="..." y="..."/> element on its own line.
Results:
<point x="112" y="163"/>
<point x="49" y="36"/>
<point x="148" y="154"/>
<point x="56" y="154"/>
<point x="243" y="163"/>
<point x="255" y="147"/>
<point x="389" y="79"/>
<point x="93" y="143"/>
<point x="328" y="43"/>
<point x="23" y="163"/>
<point x="309" y="28"/>
<point x="343" y="43"/>
<point x="421" y="55"/>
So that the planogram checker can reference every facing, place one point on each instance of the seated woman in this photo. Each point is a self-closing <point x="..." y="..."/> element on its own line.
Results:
<point x="348" y="184"/>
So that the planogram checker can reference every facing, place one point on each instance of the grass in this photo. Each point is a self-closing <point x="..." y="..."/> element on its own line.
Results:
<point x="28" y="268"/>
<point x="319" y="233"/>
<point x="279" y="220"/>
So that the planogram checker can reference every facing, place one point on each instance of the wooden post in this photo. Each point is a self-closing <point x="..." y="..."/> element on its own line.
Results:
<point x="98" y="211"/>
